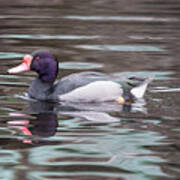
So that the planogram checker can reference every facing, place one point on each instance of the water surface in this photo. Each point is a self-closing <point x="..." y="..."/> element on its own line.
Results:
<point x="93" y="141"/>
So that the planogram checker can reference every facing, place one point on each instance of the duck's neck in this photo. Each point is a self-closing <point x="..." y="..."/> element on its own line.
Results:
<point x="41" y="90"/>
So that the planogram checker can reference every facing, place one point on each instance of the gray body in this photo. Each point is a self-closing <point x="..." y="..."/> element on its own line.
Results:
<point x="88" y="87"/>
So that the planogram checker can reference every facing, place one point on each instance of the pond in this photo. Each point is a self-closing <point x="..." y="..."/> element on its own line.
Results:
<point x="94" y="141"/>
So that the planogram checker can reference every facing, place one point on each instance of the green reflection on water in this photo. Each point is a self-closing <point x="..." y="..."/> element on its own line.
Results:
<point x="8" y="55"/>
<point x="46" y="36"/>
<point x="120" y="18"/>
<point x="157" y="75"/>
<point x="79" y="65"/>
<point x="123" y="48"/>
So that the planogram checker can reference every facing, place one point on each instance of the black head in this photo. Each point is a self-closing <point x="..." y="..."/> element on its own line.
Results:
<point x="41" y="61"/>
<point x="45" y="64"/>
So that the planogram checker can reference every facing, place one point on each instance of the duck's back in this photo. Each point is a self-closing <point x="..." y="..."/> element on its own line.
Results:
<point x="76" y="80"/>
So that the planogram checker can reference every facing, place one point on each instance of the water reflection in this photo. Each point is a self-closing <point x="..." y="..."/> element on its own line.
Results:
<point x="45" y="117"/>
<point x="47" y="141"/>
<point x="44" y="123"/>
<point x="43" y="36"/>
<point x="8" y="55"/>
<point x="79" y="65"/>
<point x="121" y="18"/>
<point x="122" y="48"/>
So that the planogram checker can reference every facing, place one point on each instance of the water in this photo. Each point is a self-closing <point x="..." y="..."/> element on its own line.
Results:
<point x="92" y="141"/>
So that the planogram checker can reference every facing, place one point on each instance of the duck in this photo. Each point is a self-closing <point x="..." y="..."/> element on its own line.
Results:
<point x="82" y="87"/>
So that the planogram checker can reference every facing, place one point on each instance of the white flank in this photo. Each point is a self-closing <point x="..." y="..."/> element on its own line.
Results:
<point x="97" y="91"/>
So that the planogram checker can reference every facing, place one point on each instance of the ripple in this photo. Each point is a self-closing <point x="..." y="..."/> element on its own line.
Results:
<point x="166" y="90"/>
<point x="157" y="75"/>
<point x="12" y="76"/>
<point x="123" y="48"/>
<point x="121" y="18"/>
<point x="85" y="175"/>
<point x="14" y="83"/>
<point x="79" y="65"/>
<point x="9" y="55"/>
<point x="96" y="18"/>
<point x="45" y="36"/>
<point x="24" y="17"/>
<point x="147" y="37"/>
<point x="9" y="157"/>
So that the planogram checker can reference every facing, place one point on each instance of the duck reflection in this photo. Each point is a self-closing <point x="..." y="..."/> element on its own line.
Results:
<point x="46" y="117"/>
<point x="44" y="123"/>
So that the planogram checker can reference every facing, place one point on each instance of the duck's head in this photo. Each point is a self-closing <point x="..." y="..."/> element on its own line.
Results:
<point x="41" y="61"/>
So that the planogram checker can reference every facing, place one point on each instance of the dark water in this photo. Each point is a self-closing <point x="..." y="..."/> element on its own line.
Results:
<point x="99" y="141"/>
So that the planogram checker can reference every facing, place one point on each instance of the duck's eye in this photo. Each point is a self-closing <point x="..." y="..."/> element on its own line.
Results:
<point x="37" y="58"/>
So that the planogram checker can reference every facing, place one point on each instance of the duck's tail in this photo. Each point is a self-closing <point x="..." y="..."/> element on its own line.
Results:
<point x="138" y="86"/>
